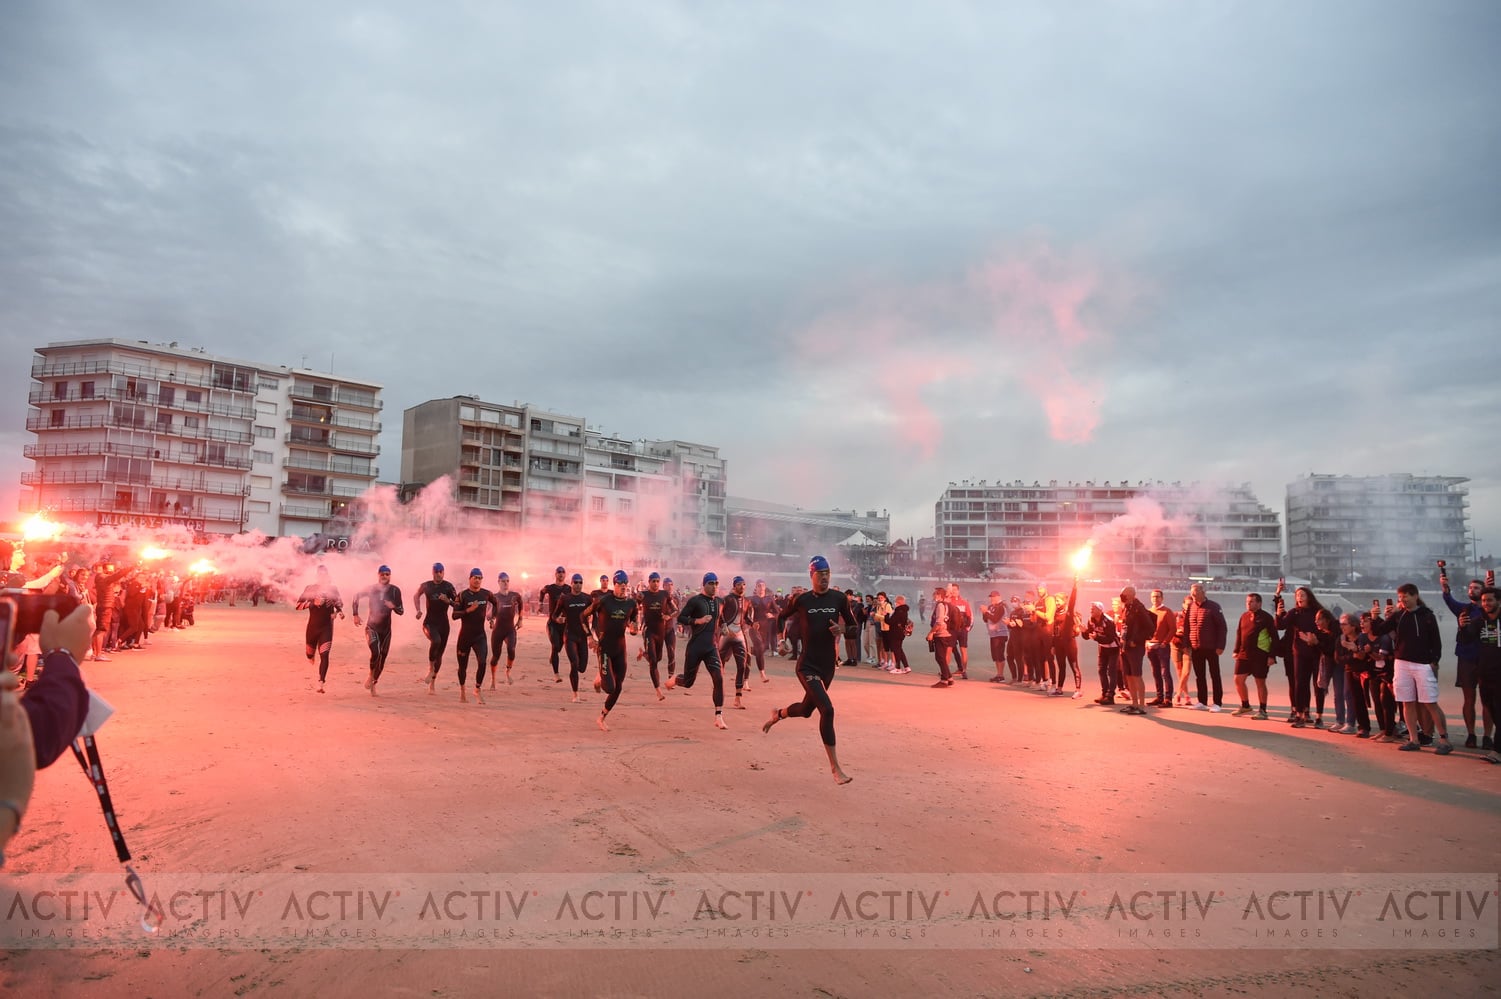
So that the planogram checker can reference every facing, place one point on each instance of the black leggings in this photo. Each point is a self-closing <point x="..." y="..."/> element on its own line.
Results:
<point x="320" y="640"/>
<point x="1379" y="688"/>
<point x="555" y="640"/>
<point x="670" y="639"/>
<point x="742" y="663"/>
<point x="1356" y="688"/>
<point x="708" y="657"/>
<point x="577" y="648"/>
<point x="614" y="671"/>
<point x="437" y="639"/>
<point x="1066" y="653"/>
<point x="506" y="638"/>
<point x="379" y="640"/>
<point x="898" y="654"/>
<point x="815" y="698"/>
<point x="654" y="645"/>
<point x="476" y="644"/>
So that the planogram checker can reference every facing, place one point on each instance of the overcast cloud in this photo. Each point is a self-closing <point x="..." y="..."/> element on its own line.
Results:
<point x="864" y="248"/>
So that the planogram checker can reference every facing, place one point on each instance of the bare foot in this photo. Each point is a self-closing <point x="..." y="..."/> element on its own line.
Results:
<point x="431" y="689"/>
<point x="840" y="777"/>
<point x="719" y="722"/>
<point x="661" y="696"/>
<point x="369" y="680"/>
<point x="575" y="697"/>
<point x="764" y="677"/>
<point x="599" y="684"/>
<point x="776" y="716"/>
<point x="320" y="686"/>
<point x="737" y="705"/>
<point x="479" y="696"/>
<point x="463" y="696"/>
<point x="372" y="691"/>
<point x="672" y="683"/>
<point x="602" y="726"/>
<point x="508" y="675"/>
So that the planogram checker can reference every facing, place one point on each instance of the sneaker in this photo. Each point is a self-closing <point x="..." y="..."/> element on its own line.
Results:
<point x="1486" y="744"/>
<point x="1260" y="715"/>
<point x="904" y="670"/>
<point x="941" y="683"/>
<point x="1078" y="694"/>
<point x="1409" y="747"/>
<point x="102" y="658"/>
<point x="1363" y="733"/>
<point x="1215" y="708"/>
<point x="1470" y="742"/>
<point x="1318" y="723"/>
<point x="1200" y="706"/>
<point x="1424" y="739"/>
<point x="1444" y="748"/>
<point x="1241" y="711"/>
<point x="1299" y="723"/>
<point x="1381" y="737"/>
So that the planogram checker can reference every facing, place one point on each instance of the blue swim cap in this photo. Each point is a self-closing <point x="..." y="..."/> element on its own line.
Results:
<point x="667" y="580"/>
<point x="476" y="572"/>
<point x="437" y="567"/>
<point x="621" y="576"/>
<point x="655" y="575"/>
<point x="709" y="577"/>
<point x="577" y="578"/>
<point x="818" y="564"/>
<point x="560" y="569"/>
<point x="737" y="580"/>
<point x="384" y="568"/>
<point x="504" y="575"/>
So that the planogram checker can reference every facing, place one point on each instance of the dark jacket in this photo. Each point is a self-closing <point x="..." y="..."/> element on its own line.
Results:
<point x="1248" y="637"/>
<point x="1415" y="634"/>
<point x="1140" y="624"/>
<point x="1488" y="645"/>
<point x="1212" y="626"/>
<point x="1464" y="647"/>
<point x="897" y="620"/>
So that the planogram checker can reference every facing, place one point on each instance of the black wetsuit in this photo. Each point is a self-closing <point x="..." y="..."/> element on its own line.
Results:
<point x="656" y="621"/>
<point x="701" y="650"/>
<point x="320" y="622"/>
<point x="378" y="622"/>
<point x="764" y="608"/>
<point x="550" y="602"/>
<point x="437" y="600"/>
<point x="737" y="617"/>
<point x="815" y="613"/>
<point x="469" y="611"/>
<point x="576" y="609"/>
<point x="616" y="615"/>
<point x="507" y="617"/>
<point x="670" y="633"/>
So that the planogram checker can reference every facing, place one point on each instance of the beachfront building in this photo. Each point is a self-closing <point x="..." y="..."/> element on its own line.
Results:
<point x="131" y="433"/>
<point x="1142" y="531"/>
<point x="1376" y="529"/>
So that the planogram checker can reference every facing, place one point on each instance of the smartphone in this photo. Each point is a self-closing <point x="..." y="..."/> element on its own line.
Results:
<point x="7" y="623"/>
<point x="1389" y="602"/>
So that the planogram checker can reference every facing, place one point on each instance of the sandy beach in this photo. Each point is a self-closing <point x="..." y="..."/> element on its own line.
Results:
<point x="224" y="761"/>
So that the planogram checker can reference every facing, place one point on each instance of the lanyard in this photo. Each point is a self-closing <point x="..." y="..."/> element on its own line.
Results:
<point x="94" y="770"/>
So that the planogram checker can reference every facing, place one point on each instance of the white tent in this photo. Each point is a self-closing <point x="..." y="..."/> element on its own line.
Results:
<point x="859" y="540"/>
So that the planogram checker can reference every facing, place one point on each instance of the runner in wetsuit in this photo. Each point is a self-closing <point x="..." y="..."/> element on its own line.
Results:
<point x="763" y="604"/>
<point x="437" y="595"/>
<point x="736" y="619"/>
<point x="596" y="622"/>
<point x="509" y="611"/>
<point x="618" y="613"/>
<point x="321" y="601"/>
<point x="573" y="615"/>
<point x="658" y="613"/>
<point x="469" y="610"/>
<point x="825" y="613"/>
<point x="670" y="635"/>
<point x="384" y="599"/>
<point x="549" y="602"/>
<point x="701" y="614"/>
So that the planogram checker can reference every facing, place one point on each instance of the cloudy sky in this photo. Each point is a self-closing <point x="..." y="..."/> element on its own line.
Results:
<point x="865" y="248"/>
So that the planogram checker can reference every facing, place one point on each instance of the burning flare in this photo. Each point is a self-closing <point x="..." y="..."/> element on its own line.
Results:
<point x="202" y="567"/>
<point x="1082" y="556"/>
<point x="152" y="554"/>
<point x="39" y="528"/>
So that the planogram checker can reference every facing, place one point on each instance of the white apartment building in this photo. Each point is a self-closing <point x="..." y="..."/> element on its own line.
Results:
<point x="131" y="433"/>
<point x="1379" y="529"/>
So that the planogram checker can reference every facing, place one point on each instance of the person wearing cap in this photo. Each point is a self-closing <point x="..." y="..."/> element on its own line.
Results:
<point x="994" y="615"/>
<point x="701" y="615"/>
<point x="617" y="612"/>
<point x="322" y="602"/>
<point x="596" y="623"/>
<point x="473" y="603"/>
<point x="574" y="615"/>
<point x="657" y="613"/>
<point x="825" y="613"/>
<point x="736" y="617"/>
<point x="509" y="610"/>
<point x="382" y="600"/>
<point x="437" y="597"/>
<point x="550" y="603"/>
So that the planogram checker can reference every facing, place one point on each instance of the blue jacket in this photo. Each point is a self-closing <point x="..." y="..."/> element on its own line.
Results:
<point x="1464" y="648"/>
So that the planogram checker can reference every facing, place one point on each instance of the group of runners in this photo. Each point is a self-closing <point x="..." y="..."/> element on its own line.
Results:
<point x="595" y="626"/>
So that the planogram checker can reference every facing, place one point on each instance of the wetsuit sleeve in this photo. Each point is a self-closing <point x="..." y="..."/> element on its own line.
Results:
<point x="685" y="616"/>
<point x="787" y="611"/>
<point x="396" y="592"/>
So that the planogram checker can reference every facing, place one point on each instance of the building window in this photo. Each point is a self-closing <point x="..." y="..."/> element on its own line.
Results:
<point x="597" y="504"/>
<point x="268" y="383"/>
<point x="57" y="417"/>
<point x="624" y="505"/>
<point x="86" y="390"/>
<point x="59" y="390"/>
<point x="269" y="432"/>
<point x="262" y="457"/>
<point x="193" y="396"/>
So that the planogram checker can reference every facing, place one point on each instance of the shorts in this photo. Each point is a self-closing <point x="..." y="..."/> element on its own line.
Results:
<point x="1131" y="659"/>
<point x="1468" y="674"/>
<point x="1415" y="682"/>
<point x="1249" y="667"/>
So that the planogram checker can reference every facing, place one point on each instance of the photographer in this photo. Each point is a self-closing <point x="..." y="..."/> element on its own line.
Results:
<point x="35" y="729"/>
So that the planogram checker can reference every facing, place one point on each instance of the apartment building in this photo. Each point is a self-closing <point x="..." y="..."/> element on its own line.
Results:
<point x="1379" y="529"/>
<point x="131" y="433"/>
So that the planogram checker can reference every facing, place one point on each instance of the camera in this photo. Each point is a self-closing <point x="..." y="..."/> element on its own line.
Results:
<point x="29" y="608"/>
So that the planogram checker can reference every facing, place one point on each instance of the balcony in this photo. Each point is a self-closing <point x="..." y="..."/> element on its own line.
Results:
<point x="131" y="451"/>
<point x="297" y="512"/>
<point x="115" y="512"/>
<point x="348" y="444"/>
<point x="334" y="466"/>
<point x="164" y="483"/>
<point x="307" y="440"/>
<point x="329" y="396"/>
<point x="37" y="424"/>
